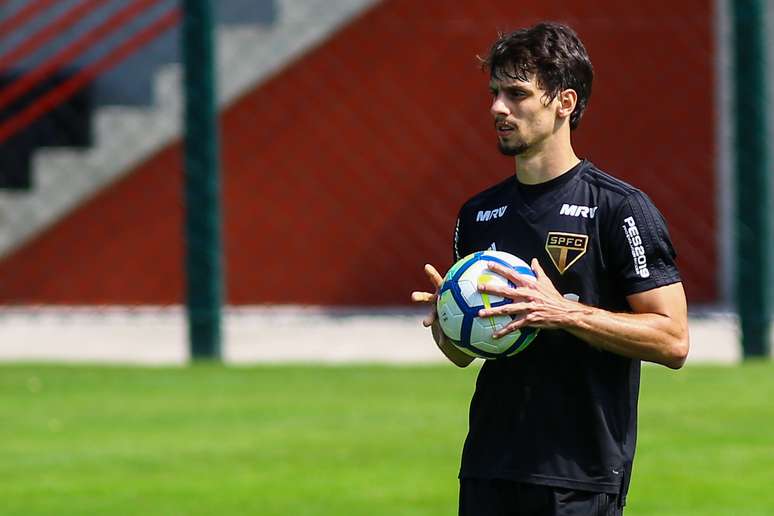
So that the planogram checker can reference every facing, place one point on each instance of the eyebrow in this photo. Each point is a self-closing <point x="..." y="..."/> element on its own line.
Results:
<point x="508" y="87"/>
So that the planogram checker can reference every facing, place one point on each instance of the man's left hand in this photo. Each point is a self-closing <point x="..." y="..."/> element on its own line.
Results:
<point x="535" y="303"/>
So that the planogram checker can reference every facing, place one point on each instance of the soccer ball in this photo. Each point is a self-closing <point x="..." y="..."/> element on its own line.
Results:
<point x="459" y="302"/>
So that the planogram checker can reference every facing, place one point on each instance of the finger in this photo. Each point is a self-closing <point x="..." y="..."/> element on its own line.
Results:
<point x="434" y="276"/>
<point x="498" y="290"/>
<point x="422" y="297"/>
<point x="511" y="327"/>
<point x="430" y="319"/>
<point x="514" y="294"/>
<point x="507" y="272"/>
<point x="512" y="309"/>
<point x="539" y="272"/>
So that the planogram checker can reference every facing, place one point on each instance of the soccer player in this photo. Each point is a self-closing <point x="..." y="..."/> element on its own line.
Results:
<point x="552" y="430"/>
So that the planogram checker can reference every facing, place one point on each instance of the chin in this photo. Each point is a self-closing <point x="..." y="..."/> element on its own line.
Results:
<point x="512" y="150"/>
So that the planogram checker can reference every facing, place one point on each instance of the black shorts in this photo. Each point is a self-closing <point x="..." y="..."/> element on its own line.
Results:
<point x="489" y="497"/>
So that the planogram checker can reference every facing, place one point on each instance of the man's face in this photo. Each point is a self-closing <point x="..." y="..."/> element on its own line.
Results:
<point x="522" y="118"/>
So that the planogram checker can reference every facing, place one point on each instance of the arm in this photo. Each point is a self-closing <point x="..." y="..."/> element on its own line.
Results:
<point x="451" y="352"/>
<point x="656" y="331"/>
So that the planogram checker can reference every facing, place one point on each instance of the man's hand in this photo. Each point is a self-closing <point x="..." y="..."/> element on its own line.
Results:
<point x="535" y="303"/>
<point x="456" y="356"/>
<point x="426" y="297"/>
<point x="656" y="330"/>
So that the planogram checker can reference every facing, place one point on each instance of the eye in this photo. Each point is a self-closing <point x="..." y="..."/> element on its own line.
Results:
<point x="514" y="93"/>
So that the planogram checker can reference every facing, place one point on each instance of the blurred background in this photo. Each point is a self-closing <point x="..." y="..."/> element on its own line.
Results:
<point x="350" y="132"/>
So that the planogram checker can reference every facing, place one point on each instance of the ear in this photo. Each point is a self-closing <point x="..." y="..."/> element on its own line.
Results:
<point x="568" y="99"/>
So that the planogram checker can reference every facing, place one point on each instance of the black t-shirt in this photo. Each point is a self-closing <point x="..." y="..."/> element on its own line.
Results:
<point x="564" y="413"/>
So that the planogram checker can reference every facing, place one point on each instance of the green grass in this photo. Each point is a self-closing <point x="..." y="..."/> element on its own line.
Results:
<point x="294" y="440"/>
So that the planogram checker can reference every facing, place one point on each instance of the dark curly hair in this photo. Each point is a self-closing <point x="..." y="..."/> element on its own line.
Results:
<point x="553" y="52"/>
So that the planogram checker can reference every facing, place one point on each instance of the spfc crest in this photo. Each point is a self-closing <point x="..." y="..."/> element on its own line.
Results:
<point x="565" y="249"/>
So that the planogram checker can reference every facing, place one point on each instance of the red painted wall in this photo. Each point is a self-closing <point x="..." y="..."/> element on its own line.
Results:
<point x="343" y="173"/>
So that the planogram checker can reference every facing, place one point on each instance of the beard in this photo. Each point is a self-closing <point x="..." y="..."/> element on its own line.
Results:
<point x="514" y="149"/>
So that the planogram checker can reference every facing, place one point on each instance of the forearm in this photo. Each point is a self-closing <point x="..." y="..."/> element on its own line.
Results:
<point x="646" y="336"/>
<point x="449" y="350"/>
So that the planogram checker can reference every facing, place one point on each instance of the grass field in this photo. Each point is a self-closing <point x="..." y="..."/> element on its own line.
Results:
<point x="354" y="440"/>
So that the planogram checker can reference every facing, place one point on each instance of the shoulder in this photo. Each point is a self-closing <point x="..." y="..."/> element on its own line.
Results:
<point x="493" y="198"/>
<point x="606" y="184"/>
<point x="614" y="193"/>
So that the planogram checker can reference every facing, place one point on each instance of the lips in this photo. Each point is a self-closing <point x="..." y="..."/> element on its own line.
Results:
<point x="504" y="129"/>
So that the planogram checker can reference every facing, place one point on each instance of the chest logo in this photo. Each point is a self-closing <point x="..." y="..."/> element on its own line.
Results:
<point x="486" y="216"/>
<point x="565" y="249"/>
<point x="573" y="210"/>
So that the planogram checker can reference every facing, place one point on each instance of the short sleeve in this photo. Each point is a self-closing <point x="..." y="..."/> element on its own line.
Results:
<point x="642" y="256"/>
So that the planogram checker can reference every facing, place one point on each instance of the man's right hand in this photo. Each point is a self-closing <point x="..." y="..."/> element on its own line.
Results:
<point x="428" y="298"/>
<point x="451" y="351"/>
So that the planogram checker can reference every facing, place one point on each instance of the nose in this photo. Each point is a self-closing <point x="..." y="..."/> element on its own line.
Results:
<point x="498" y="107"/>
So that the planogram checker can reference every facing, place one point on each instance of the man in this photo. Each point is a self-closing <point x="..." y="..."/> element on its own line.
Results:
<point x="552" y="430"/>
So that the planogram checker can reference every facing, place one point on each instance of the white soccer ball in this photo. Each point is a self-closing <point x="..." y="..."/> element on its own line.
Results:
<point x="459" y="302"/>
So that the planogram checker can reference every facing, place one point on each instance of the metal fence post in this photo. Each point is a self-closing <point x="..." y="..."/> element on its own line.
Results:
<point x="204" y="291"/>
<point x="753" y="203"/>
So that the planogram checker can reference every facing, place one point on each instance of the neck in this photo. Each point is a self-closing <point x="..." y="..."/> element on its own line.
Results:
<point x="545" y="163"/>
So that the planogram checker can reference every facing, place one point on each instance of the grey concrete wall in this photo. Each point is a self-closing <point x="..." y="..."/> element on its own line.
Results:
<point x="130" y="82"/>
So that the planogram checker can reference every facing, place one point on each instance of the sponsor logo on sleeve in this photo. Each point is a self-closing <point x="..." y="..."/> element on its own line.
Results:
<point x="638" y="250"/>
<point x="487" y="215"/>
<point x="565" y="249"/>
